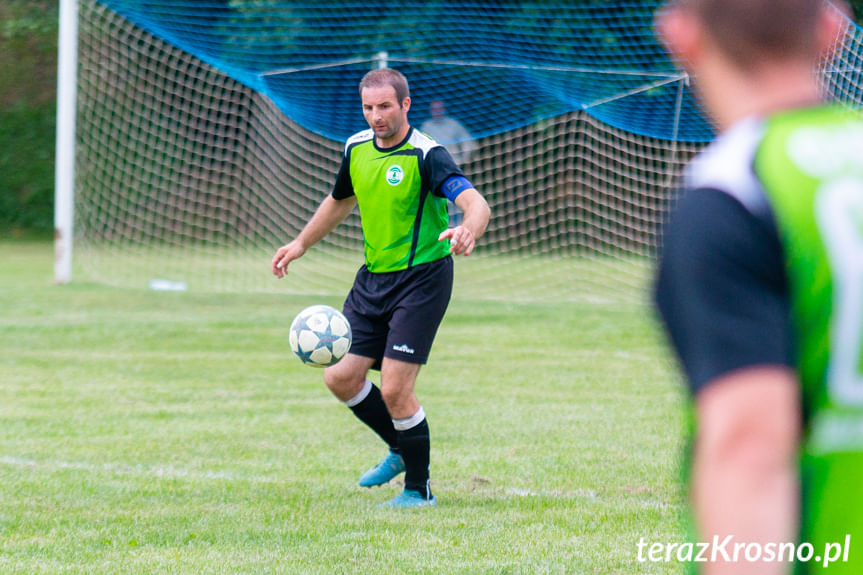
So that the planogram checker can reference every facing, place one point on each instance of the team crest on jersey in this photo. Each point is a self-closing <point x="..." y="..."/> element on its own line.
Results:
<point x="395" y="175"/>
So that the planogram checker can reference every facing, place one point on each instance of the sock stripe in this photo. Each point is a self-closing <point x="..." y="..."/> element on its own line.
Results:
<point x="358" y="398"/>
<point x="410" y="422"/>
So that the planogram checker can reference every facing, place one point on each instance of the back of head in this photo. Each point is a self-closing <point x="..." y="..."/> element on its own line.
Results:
<point x="748" y="31"/>
<point x="381" y="77"/>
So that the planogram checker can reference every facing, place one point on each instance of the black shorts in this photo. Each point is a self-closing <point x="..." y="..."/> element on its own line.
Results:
<point x="396" y="314"/>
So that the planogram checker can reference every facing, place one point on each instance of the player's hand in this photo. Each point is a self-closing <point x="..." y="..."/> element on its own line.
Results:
<point x="285" y="255"/>
<point x="461" y="240"/>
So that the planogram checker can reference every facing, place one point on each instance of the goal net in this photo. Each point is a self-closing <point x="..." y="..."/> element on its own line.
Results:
<point x="208" y="132"/>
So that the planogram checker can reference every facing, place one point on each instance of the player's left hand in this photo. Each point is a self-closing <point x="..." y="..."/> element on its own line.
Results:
<point x="461" y="240"/>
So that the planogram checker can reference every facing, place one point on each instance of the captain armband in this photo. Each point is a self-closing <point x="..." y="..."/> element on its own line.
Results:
<point x="454" y="185"/>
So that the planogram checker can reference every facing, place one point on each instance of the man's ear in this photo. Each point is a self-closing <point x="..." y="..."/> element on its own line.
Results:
<point x="681" y="33"/>
<point x="833" y="22"/>
<point x="406" y="104"/>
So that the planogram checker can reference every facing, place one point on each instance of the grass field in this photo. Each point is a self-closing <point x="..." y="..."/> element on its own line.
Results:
<point x="150" y="432"/>
<point x="523" y="277"/>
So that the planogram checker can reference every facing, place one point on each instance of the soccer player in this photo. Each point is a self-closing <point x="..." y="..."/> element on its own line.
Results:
<point x="401" y="180"/>
<point x="760" y="286"/>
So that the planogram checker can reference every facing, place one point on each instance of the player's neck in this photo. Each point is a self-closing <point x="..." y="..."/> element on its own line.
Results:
<point x="765" y="93"/>
<point x="395" y="139"/>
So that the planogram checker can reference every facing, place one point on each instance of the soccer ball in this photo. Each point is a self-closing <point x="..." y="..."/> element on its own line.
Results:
<point x="320" y="335"/>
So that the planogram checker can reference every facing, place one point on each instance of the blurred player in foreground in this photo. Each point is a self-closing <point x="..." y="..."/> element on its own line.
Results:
<point x="760" y="286"/>
<point x="401" y="179"/>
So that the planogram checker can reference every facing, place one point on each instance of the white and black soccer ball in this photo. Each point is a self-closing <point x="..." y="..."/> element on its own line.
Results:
<point x="320" y="335"/>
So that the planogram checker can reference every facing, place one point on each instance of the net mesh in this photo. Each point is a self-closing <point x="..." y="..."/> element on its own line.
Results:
<point x="209" y="132"/>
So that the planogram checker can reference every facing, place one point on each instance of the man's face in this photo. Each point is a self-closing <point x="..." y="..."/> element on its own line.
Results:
<point x="383" y="113"/>
<point x="437" y="110"/>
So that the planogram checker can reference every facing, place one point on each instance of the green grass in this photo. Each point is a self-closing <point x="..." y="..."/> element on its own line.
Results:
<point x="515" y="277"/>
<point x="151" y="432"/>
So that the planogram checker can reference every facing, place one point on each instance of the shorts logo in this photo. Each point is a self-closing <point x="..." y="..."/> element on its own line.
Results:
<point x="395" y="175"/>
<point x="404" y="349"/>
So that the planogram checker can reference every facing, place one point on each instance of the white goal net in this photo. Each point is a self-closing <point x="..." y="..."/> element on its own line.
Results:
<point x="188" y="177"/>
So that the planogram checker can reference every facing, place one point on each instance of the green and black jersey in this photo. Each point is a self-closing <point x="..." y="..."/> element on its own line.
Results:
<point x="762" y="264"/>
<point x="402" y="207"/>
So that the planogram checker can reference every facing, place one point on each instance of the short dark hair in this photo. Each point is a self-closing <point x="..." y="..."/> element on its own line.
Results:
<point x="748" y="30"/>
<point x="381" y="77"/>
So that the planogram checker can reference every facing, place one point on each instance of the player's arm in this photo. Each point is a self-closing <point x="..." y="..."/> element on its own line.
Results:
<point x="462" y="238"/>
<point x="744" y="475"/>
<point x="329" y="214"/>
<point x="723" y="295"/>
<point x="448" y="181"/>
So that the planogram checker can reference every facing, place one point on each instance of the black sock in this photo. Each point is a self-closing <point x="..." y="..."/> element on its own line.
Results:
<point x="373" y="412"/>
<point x="414" y="446"/>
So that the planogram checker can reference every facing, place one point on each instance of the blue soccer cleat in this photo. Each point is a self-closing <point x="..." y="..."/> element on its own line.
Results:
<point x="383" y="472"/>
<point x="409" y="499"/>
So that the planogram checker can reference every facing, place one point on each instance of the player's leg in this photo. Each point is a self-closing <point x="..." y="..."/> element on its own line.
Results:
<point x="347" y="378"/>
<point x="348" y="381"/>
<point x="398" y="379"/>
<point x="413" y="327"/>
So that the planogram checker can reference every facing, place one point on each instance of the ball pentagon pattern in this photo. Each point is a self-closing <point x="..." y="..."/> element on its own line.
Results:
<point x="320" y="336"/>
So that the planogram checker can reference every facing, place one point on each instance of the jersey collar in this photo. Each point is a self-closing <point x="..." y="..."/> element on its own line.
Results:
<point x="397" y="146"/>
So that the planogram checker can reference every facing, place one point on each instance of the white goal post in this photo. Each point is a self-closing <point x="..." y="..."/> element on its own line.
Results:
<point x="64" y="175"/>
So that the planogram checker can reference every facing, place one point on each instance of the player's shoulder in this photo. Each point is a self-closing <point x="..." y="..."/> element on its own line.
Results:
<point x="821" y="141"/>
<point x="727" y="165"/>
<point x="422" y="141"/>
<point x="359" y="138"/>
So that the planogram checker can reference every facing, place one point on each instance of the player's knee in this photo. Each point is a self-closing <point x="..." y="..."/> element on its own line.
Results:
<point x="394" y="396"/>
<point x="336" y="379"/>
<point x="341" y="382"/>
<point x="388" y="394"/>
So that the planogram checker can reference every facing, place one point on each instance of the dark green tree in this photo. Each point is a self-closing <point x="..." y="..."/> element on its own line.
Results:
<point x="28" y="72"/>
